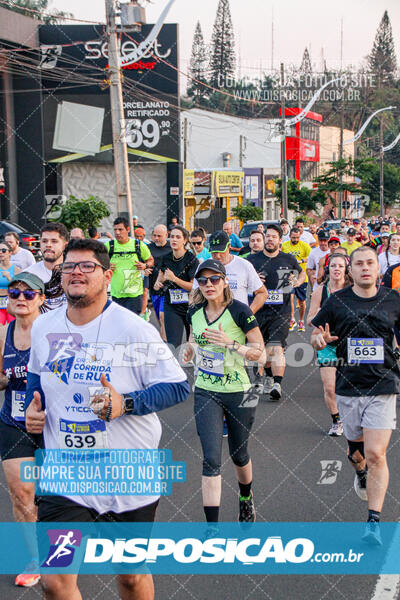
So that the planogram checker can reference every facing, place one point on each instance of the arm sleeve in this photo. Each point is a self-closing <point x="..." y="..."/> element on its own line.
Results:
<point x="324" y="315"/>
<point x="243" y="316"/>
<point x="33" y="385"/>
<point x="144" y="251"/>
<point x="159" y="397"/>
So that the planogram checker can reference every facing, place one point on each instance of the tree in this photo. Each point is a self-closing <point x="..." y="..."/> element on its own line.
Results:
<point x="198" y="64"/>
<point x="247" y="212"/>
<point x="382" y="59"/>
<point x="223" y="60"/>
<point x="305" y="66"/>
<point x="84" y="212"/>
<point x="37" y="9"/>
<point x="369" y="172"/>
<point x="338" y="177"/>
<point x="300" y="199"/>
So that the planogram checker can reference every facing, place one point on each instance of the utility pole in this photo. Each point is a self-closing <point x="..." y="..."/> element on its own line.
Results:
<point x="381" y="178"/>
<point x="242" y="148"/>
<point x="283" y="157"/>
<point x="121" y="166"/>
<point x="340" y="160"/>
<point x="185" y="142"/>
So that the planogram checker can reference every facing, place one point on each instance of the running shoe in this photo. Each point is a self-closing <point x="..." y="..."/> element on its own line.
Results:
<point x="360" y="485"/>
<point x="301" y="326"/>
<point x="225" y="429"/>
<point x="336" y="429"/>
<point x="247" y="513"/>
<point x="292" y="324"/>
<point x="27" y="580"/>
<point x="276" y="392"/>
<point x="372" y="534"/>
<point x="258" y="386"/>
<point x="268" y="385"/>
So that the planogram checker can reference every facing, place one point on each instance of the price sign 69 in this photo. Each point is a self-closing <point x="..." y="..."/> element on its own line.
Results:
<point x="137" y="133"/>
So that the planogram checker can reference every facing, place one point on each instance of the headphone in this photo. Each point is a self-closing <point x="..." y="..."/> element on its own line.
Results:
<point x="335" y="255"/>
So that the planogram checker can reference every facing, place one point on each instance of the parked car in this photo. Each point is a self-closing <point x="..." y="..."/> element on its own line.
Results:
<point x="27" y="240"/>
<point x="332" y="224"/>
<point x="249" y="226"/>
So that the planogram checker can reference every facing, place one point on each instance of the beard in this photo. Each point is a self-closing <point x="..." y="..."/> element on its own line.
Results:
<point x="271" y="250"/>
<point x="51" y="259"/>
<point x="79" y="301"/>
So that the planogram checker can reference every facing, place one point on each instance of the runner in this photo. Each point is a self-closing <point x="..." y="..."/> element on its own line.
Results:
<point x="280" y="273"/>
<point x="21" y="257"/>
<point x="7" y="272"/>
<point x="351" y="243"/>
<point x="159" y="248"/>
<point x="301" y="251"/>
<point x="242" y="278"/>
<point x="256" y="243"/>
<point x="53" y="240"/>
<point x="129" y="259"/>
<point x="134" y="393"/>
<point x="361" y="319"/>
<point x="219" y="328"/>
<point x="315" y="256"/>
<point x="333" y="245"/>
<point x="26" y="296"/>
<point x="197" y="239"/>
<point x="235" y="242"/>
<point x="175" y="279"/>
<point x="305" y="236"/>
<point x="336" y="278"/>
<point x="391" y="256"/>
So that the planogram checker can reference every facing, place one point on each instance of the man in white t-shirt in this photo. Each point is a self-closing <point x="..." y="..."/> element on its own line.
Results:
<point x="92" y="342"/>
<point x="285" y="230"/>
<point x="53" y="240"/>
<point x="315" y="256"/>
<point x="242" y="276"/>
<point x="20" y="257"/>
<point x="305" y="236"/>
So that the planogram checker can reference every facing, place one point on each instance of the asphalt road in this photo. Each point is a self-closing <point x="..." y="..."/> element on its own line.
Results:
<point x="288" y="443"/>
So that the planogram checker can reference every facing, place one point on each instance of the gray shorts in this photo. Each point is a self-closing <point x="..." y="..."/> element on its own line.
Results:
<point x="369" y="412"/>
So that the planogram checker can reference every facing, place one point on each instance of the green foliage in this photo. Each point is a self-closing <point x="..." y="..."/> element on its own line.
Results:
<point x="84" y="212"/>
<point x="37" y="9"/>
<point x="368" y="171"/>
<point x="382" y="59"/>
<point x="300" y="199"/>
<point x="198" y="65"/>
<point x="247" y="212"/>
<point x="223" y="60"/>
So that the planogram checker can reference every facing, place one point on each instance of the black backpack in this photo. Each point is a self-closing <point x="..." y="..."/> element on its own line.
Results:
<point x="137" y="251"/>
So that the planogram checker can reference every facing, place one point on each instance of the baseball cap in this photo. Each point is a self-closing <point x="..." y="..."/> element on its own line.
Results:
<point x="140" y="230"/>
<point x="351" y="231"/>
<point x="135" y="217"/>
<point x="385" y="234"/>
<point x="334" y="239"/>
<point x="31" y="280"/>
<point x="356" y="221"/>
<point x="211" y="265"/>
<point x="323" y="235"/>
<point x="218" y="241"/>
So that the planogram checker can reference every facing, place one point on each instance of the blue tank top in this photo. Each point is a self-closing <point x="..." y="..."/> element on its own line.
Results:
<point x="15" y="366"/>
<point x="3" y="280"/>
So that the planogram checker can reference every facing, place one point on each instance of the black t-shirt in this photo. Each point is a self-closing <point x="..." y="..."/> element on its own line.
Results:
<point x="157" y="252"/>
<point x="184" y="268"/>
<point x="276" y="271"/>
<point x="364" y="327"/>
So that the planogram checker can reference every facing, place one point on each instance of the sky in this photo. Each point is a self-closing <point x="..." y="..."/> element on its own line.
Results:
<point x="312" y="23"/>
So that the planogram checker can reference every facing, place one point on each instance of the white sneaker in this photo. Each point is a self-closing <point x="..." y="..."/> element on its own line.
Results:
<point x="268" y="385"/>
<point x="360" y="487"/>
<point x="276" y="392"/>
<point x="336" y="429"/>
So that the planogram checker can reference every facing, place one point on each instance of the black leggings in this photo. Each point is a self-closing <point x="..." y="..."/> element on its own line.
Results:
<point x="209" y="410"/>
<point x="175" y="320"/>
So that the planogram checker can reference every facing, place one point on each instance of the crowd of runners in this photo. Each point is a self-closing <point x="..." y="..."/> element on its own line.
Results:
<point x="232" y="309"/>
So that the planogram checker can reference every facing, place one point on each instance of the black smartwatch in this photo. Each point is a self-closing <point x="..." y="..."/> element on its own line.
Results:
<point x="129" y="404"/>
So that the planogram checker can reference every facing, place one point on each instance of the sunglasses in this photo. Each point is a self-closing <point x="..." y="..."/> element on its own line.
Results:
<point x="197" y="243"/>
<point x="28" y="294"/>
<point x="214" y="279"/>
<point x="4" y="250"/>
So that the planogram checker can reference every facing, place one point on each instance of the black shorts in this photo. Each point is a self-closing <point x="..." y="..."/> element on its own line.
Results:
<point x="16" y="442"/>
<point x="275" y="329"/>
<point x="58" y="508"/>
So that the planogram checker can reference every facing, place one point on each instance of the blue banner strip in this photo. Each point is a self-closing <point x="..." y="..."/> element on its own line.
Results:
<point x="193" y="548"/>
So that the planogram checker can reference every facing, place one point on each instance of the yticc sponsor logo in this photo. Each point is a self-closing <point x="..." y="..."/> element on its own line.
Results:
<point x="193" y="550"/>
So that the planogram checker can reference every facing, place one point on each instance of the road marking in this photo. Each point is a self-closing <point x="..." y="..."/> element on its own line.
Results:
<point x="388" y="586"/>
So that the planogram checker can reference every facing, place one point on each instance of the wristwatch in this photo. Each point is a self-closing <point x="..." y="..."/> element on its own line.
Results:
<point x="129" y="403"/>
<point x="235" y="345"/>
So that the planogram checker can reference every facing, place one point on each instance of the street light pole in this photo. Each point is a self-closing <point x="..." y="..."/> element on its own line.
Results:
<point x="121" y="165"/>
<point x="381" y="174"/>
<point x="283" y="158"/>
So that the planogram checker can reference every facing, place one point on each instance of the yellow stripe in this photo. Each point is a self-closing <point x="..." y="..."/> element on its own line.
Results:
<point x="156" y="157"/>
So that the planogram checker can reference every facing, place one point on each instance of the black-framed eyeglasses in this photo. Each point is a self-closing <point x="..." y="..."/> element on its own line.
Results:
<point x="85" y="266"/>
<point x="197" y="243"/>
<point x="15" y="293"/>
<point x="214" y="279"/>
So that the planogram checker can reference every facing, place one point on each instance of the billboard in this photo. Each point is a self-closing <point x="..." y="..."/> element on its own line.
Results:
<point x="74" y="67"/>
